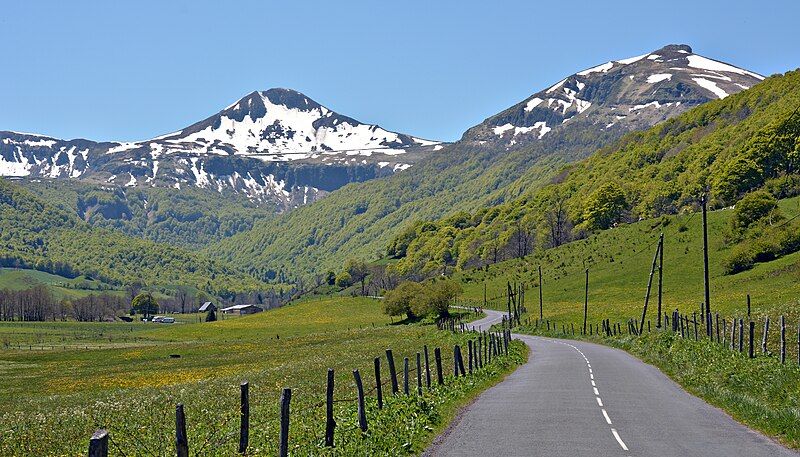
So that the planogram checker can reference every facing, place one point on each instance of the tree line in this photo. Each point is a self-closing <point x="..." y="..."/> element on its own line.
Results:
<point x="39" y="304"/>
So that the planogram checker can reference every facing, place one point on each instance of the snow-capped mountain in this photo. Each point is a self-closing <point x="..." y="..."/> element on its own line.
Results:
<point x="614" y="97"/>
<point x="273" y="146"/>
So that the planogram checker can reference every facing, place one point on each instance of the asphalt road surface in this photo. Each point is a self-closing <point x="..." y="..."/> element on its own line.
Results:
<point x="581" y="399"/>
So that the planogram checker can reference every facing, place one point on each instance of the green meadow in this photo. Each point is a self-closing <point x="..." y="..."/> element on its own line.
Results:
<point x="53" y="399"/>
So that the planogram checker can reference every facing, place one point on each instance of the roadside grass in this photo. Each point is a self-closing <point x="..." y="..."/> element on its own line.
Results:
<point x="761" y="393"/>
<point x="52" y="401"/>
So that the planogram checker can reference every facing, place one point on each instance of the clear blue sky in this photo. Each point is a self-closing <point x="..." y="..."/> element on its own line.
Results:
<point x="103" y="70"/>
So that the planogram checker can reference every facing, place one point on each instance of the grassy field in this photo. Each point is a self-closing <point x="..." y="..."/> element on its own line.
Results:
<point x="52" y="400"/>
<point x="60" y="286"/>
<point x="619" y="265"/>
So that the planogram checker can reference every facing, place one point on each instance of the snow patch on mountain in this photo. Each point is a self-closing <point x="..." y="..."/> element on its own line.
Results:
<point x="533" y="103"/>
<point x="652" y="79"/>
<point x="704" y="63"/>
<point x="654" y="104"/>
<point x="712" y="86"/>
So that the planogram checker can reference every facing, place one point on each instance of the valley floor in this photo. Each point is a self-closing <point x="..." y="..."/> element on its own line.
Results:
<point x="54" y="399"/>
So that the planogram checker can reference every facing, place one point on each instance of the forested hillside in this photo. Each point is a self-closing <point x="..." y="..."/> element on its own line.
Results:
<point x="510" y="153"/>
<point x="189" y="217"/>
<point x="727" y="148"/>
<point x="36" y="234"/>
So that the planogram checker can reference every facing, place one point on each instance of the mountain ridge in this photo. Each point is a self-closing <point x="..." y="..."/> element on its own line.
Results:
<point x="276" y="147"/>
<point x="359" y="220"/>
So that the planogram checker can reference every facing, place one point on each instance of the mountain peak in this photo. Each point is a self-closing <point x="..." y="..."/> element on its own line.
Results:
<point x="674" y="48"/>
<point x="289" y="98"/>
<point x="615" y="97"/>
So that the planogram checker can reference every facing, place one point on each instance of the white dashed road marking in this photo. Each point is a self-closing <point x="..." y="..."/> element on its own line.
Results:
<point x="619" y="440"/>
<point x="597" y="395"/>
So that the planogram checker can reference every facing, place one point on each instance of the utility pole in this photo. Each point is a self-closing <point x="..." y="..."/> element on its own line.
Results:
<point x="586" y="302"/>
<point x="541" y="316"/>
<point x="660" y="275"/>
<point x="649" y="286"/>
<point x="704" y="202"/>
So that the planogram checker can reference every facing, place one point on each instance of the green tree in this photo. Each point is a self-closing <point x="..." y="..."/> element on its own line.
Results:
<point x="738" y="177"/>
<point x="404" y="299"/>
<point x="144" y="303"/>
<point x="441" y="294"/>
<point x="344" y="279"/>
<point x="605" y="207"/>
<point x="358" y="271"/>
<point x="752" y="208"/>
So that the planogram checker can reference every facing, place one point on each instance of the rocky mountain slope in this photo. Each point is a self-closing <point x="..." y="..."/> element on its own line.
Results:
<point x="508" y="154"/>
<point x="277" y="147"/>
<point x="627" y="94"/>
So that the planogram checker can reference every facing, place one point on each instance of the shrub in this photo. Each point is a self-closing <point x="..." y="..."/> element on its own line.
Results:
<point x="754" y="207"/>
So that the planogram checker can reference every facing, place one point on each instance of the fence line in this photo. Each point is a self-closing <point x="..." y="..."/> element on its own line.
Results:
<point x="483" y="348"/>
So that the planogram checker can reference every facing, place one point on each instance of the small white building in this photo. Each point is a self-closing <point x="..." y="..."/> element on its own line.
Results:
<point x="242" y="309"/>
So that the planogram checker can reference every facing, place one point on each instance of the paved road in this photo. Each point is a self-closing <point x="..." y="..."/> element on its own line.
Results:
<point x="574" y="398"/>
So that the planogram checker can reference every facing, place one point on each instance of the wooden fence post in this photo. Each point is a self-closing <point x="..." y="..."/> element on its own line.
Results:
<point x="479" y="351"/>
<point x="783" y="339"/>
<point x="741" y="335"/>
<point x="98" y="444"/>
<point x="181" y="441"/>
<point x="764" y="336"/>
<point x="244" y="422"/>
<point x="362" y="414"/>
<point x="405" y="375"/>
<point x="392" y="371"/>
<point x="283" y="442"/>
<point x="330" y="423"/>
<point x="752" y="337"/>
<point x="427" y="368"/>
<point x="724" y="331"/>
<point x="456" y="354"/>
<point x="437" y="355"/>
<point x="419" y="373"/>
<point x="469" y="344"/>
<point x="378" y="385"/>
